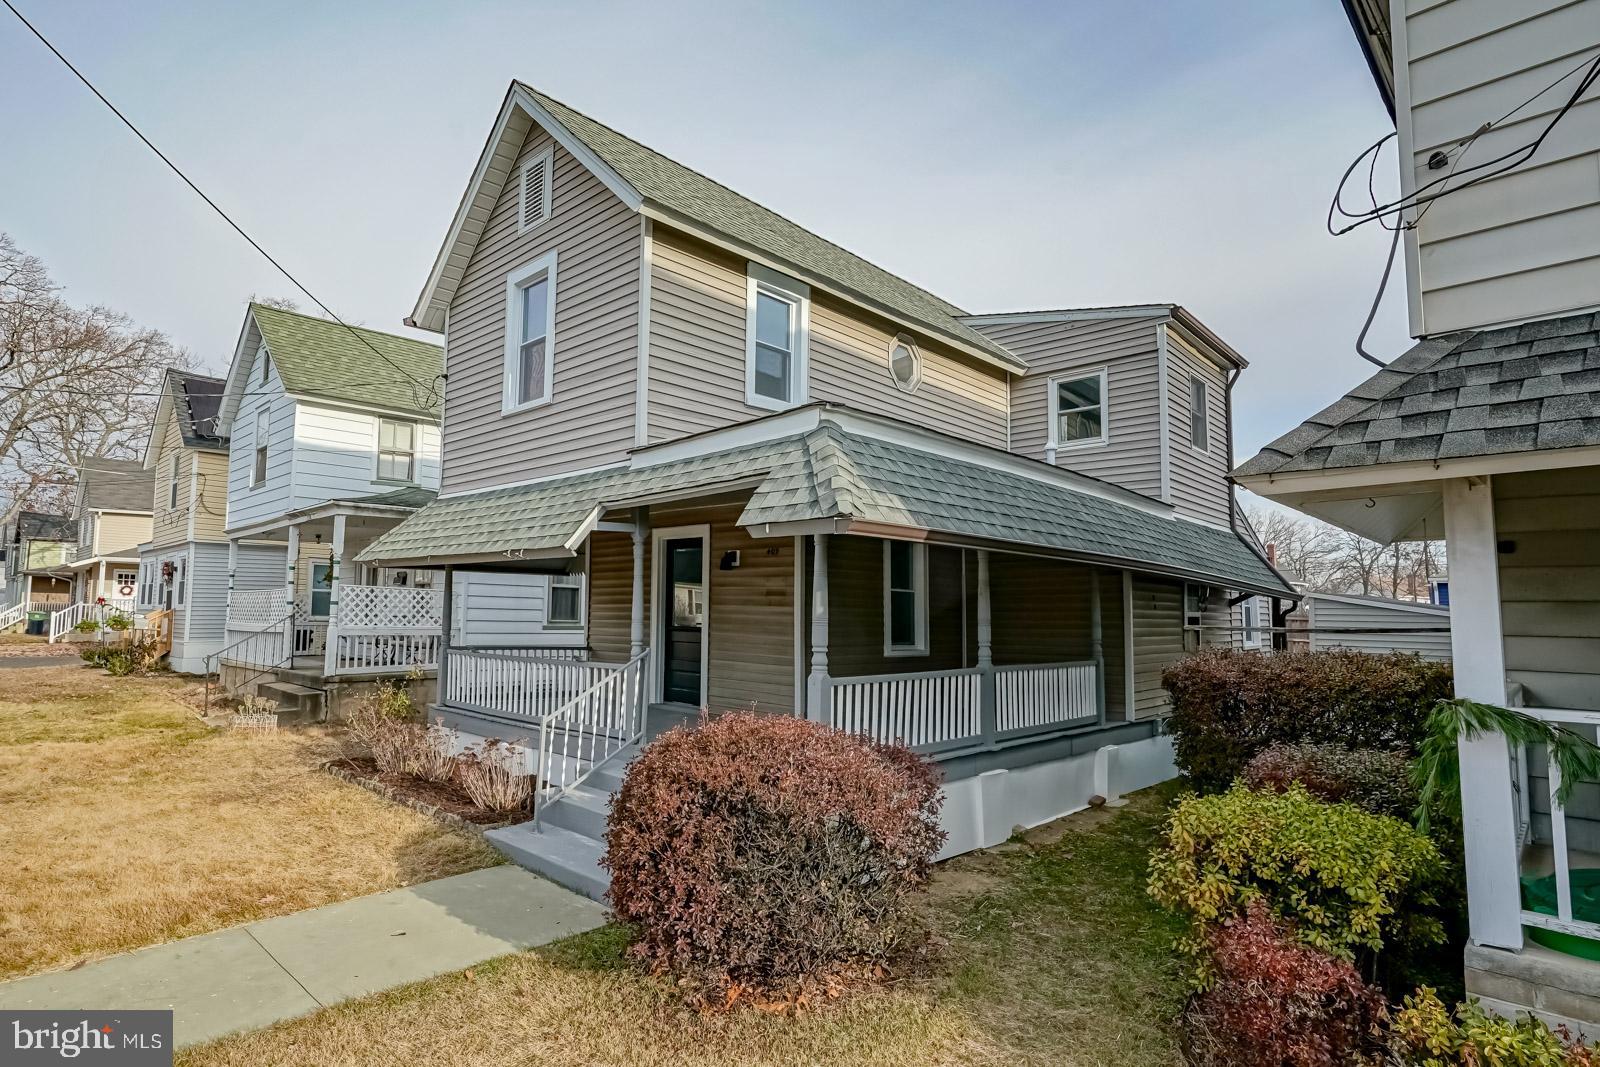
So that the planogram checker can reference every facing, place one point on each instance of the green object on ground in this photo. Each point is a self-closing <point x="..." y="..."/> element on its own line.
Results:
<point x="1539" y="894"/>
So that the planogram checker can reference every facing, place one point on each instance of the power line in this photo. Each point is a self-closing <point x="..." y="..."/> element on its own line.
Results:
<point x="416" y="384"/>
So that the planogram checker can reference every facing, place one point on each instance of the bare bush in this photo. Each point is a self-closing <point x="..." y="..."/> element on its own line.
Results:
<point x="433" y="756"/>
<point x="491" y="776"/>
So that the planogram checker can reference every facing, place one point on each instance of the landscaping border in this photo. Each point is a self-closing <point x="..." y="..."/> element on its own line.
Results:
<point x="433" y="811"/>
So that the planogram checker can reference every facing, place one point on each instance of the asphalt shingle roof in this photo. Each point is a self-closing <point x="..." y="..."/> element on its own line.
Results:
<point x="828" y="473"/>
<point x="1520" y="389"/>
<point x="46" y="527"/>
<point x="196" y="401"/>
<point x="319" y="357"/>
<point x="709" y="203"/>
<point x="116" y="485"/>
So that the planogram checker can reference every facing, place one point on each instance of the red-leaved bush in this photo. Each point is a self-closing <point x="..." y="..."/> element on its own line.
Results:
<point x="767" y="855"/>
<point x="1276" y="1002"/>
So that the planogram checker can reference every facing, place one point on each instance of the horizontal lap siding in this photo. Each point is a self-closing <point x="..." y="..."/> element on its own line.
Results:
<point x="170" y="525"/>
<point x="1157" y="641"/>
<point x="247" y="504"/>
<point x="1199" y="478"/>
<point x="1550" y="584"/>
<point x="1126" y="348"/>
<point x="697" y="356"/>
<point x="1040" y="613"/>
<point x="590" y="419"/>
<point x="121" y="535"/>
<point x="207" y="609"/>
<point x="1339" y="615"/>
<point x="855" y="610"/>
<point x="506" y="609"/>
<point x="259" y="567"/>
<point x="610" y="586"/>
<point x="211" y="508"/>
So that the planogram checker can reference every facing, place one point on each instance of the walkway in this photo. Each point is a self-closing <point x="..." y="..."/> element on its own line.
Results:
<point x="251" y="976"/>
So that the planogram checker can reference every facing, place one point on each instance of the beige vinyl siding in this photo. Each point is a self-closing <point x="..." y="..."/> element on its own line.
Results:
<point x="697" y="356"/>
<point x="1039" y="612"/>
<point x="1550" y="584"/>
<point x="855" y="611"/>
<point x="610" y="587"/>
<point x="1126" y="348"/>
<point x="211" y="512"/>
<point x="1157" y="641"/>
<point x="1199" y="478"/>
<point x="120" y="534"/>
<point x="1328" y="613"/>
<point x="170" y="525"/>
<point x="1525" y="244"/>
<point x="590" y="418"/>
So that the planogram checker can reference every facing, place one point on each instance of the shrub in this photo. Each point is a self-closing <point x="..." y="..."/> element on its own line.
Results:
<point x="491" y="776"/>
<point x="1425" y="1033"/>
<point x="1347" y="880"/>
<point x="95" y="655"/>
<point x="1275" y="1002"/>
<point x="1227" y="705"/>
<point x="86" y="626"/>
<point x="380" y="722"/>
<point x="1374" y="780"/>
<point x="432" y="755"/>
<point x="767" y="854"/>
<point x="119" y="622"/>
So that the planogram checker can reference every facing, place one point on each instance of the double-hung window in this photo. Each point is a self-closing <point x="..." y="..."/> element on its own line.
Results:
<point x="172" y="487"/>
<point x="905" y="598"/>
<point x="397" y="452"/>
<point x="1078" y="410"/>
<point x="263" y="433"/>
<point x="777" y="323"/>
<point x="565" y="604"/>
<point x="1199" y="415"/>
<point x="530" y="335"/>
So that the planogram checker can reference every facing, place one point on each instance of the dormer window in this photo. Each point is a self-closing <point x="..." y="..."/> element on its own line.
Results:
<point x="1078" y="410"/>
<point x="530" y="335"/>
<point x="777" y="324"/>
<point x="905" y="363"/>
<point x="533" y="201"/>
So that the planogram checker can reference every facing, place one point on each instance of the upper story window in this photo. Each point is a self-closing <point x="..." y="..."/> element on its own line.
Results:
<point x="905" y="363"/>
<point x="564" y="607"/>
<point x="777" y="323"/>
<point x="530" y="334"/>
<point x="905" y="598"/>
<point x="397" y="452"/>
<point x="533" y="197"/>
<point x="266" y="365"/>
<point x="263" y="433"/>
<point x="86" y="531"/>
<point x="1199" y="414"/>
<point x="172" y="487"/>
<point x="1078" y="410"/>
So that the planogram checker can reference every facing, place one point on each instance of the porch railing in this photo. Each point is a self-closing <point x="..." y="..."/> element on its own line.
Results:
<point x="68" y="618"/>
<point x="1044" y="696"/>
<point x="1560" y="849"/>
<point x="595" y="725"/>
<point x="13" y="615"/>
<point x="258" y="609"/>
<point x="378" y="629"/>
<point x="518" y="686"/>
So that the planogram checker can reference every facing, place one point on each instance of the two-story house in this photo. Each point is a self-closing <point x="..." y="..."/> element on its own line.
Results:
<point x="332" y="438"/>
<point x="111" y="511"/>
<point x="1488" y="431"/>
<point x="788" y="479"/>
<point x="37" y="548"/>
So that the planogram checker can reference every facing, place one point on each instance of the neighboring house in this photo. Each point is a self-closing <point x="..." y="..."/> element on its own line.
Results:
<point x="777" y="476"/>
<point x="1486" y="430"/>
<point x="111" y="514"/>
<point x="1377" y="624"/>
<point x="37" y="549"/>
<point x="332" y="438"/>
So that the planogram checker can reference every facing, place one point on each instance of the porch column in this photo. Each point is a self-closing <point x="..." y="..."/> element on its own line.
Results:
<point x="817" y="694"/>
<point x="233" y="567"/>
<point x="291" y="560"/>
<point x="1130" y="704"/>
<point x="1097" y="646"/>
<point x="986" y="702"/>
<point x="1488" y="807"/>
<point x="330" y="654"/>
<point x="641" y="523"/>
<point x="447" y="620"/>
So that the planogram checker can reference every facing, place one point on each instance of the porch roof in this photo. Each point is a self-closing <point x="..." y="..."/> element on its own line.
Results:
<point x="890" y="485"/>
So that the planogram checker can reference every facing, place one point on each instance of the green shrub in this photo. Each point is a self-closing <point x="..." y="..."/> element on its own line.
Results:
<point x="95" y="654"/>
<point x="86" y="626"/>
<point x="1424" y="1033"/>
<point x="119" y="622"/>
<point x="1347" y="880"/>
<point x="1228" y="705"/>
<point x="1373" y="780"/>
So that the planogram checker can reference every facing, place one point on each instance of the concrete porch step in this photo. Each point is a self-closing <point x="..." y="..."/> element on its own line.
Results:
<point x="564" y="856"/>
<point x="583" y="811"/>
<point x="297" y="703"/>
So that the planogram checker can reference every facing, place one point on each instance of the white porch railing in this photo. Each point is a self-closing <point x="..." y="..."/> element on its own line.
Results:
<point x="589" y="729"/>
<point x="380" y="629"/>
<point x="517" y="687"/>
<point x="928" y="709"/>
<point x="14" y="614"/>
<point x="1044" y="696"/>
<point x="261" y="649"/>
<point x="67" y="619"/>
<point x="1561" y="854"/>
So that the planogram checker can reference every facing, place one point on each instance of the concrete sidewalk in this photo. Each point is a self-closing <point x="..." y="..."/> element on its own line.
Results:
<point x="251" y="976"/>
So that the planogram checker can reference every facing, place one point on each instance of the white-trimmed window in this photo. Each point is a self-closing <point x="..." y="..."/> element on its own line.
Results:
<point x="1250" y="620"/>
<point x="533" y="191"/>
<point x="263" y="436"/>
<point x="905" y="363"/>
<point x="564" y="600"/>
<point x="172" y="487"/>
<point x="777" y="325"/>
<point x="905" y="598"/>
<point x="397" y="450"/>
<point x="266" y="364"/>
<point x="1199" y="414"/>
<point x="1078" y="410"/>
<point x="181" y="569"/>
<point x="530" y="334"/>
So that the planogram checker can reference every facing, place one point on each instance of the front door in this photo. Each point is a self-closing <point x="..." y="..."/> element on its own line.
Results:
<point x="685" y="594"/>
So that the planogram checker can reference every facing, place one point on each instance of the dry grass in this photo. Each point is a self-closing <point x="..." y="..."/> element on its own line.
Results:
<point x="128" y="822"/>
<point x="1051" y="954"/>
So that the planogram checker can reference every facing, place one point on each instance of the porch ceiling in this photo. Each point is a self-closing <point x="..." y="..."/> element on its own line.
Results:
<point x="855" y="480"/>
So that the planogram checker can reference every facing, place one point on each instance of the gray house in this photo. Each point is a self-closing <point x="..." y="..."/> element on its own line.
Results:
<point x="789" y="480"/>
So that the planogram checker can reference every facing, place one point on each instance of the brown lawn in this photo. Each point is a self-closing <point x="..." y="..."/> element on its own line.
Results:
<point x="125" y="821"/>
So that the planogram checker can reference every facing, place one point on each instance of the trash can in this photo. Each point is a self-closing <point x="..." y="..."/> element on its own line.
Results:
<point x="36" y="621"/>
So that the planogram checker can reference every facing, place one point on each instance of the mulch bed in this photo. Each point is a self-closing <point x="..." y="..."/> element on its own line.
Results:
<point x="445" y="803"/>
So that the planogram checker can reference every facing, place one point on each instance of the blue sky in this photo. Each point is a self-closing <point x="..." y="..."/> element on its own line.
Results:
<point x="1006" y="156"/>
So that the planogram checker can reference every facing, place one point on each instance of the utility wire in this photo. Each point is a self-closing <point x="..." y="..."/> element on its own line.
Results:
<point x="419" y="389"/>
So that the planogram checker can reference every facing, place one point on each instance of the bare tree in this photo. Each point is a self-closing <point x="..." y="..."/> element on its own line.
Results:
<point x="1327" y="559"/>
<point x="75" y="383"/>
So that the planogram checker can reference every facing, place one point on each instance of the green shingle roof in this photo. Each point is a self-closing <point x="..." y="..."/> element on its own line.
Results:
<point x="699" y="199"/>
<point x="830" y="473"/>
<point x="319" y="357"/>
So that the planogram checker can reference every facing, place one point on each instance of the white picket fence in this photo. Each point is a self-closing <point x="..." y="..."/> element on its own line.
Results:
<point x="1044" y="696"/>
<point x="928" y="709"/>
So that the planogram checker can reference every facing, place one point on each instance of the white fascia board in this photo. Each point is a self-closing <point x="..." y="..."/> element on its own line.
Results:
<point x="1130" y="311"/>
<point x="790" y="423"/>
<point x="1383" y="603"/>
<point x="540" y="480"/>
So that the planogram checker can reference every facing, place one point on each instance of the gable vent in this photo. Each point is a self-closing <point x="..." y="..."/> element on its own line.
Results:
<point x="534" y="206"/>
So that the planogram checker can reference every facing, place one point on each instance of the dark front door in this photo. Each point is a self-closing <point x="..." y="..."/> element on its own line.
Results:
<point x="685" y="595"/>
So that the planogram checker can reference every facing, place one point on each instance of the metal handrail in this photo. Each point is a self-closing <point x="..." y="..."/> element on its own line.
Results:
<point x="214" y="660"/>
<point x="629" y="679"/>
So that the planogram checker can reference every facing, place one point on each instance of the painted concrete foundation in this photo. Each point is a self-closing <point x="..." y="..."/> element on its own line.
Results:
<point x="1561" y="990"/>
